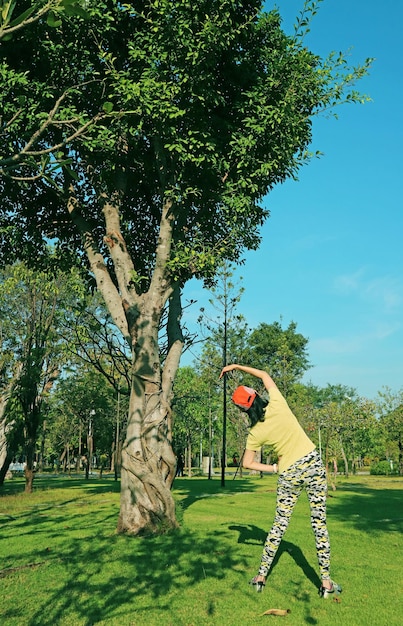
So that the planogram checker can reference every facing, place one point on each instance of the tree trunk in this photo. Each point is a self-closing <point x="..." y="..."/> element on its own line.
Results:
<point x="5" y="458"/>
<point x="148" y="462"/>
<point x="148" y="466"/>
<point x="31" y="419"/>
<point x="29" y="466"/>
<point x="343" y="454"/>
<point x="4" y="468"/>
<point x="189" y="456"/>
<point x="147" y="459"/>
<point x="6" y="454"/>
<point x="7" y="429"/>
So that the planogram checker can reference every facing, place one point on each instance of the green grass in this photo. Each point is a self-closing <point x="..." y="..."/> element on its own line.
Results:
<point x="61" y="561"/>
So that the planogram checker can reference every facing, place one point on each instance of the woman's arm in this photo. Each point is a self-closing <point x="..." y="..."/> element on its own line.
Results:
<point x="264" y="376"/>
<point x="248" y="461"/>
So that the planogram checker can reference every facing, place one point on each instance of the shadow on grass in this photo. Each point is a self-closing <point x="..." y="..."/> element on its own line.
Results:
<point x="108" y="576"/>
<point x="16" y="486"/>
<point x="188" y="491"/>
<point x="252" y="535"/>
<point x="93" y="574"/>
<point x="372" y="509"/>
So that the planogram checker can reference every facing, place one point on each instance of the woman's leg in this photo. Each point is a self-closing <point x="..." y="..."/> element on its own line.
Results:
<point x="289" y="488"/>
<point x="317" y="490"/>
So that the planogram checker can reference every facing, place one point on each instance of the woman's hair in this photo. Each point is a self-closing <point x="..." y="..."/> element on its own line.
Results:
<point x="257" y="410"/>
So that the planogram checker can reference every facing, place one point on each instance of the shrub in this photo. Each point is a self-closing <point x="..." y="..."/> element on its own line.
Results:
<point x="382" y="468"/>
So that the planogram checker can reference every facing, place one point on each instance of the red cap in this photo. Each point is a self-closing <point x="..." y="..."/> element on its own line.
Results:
<point x="244" y="397"/>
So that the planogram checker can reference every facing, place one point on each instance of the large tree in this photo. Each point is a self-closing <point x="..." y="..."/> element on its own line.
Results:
<point x="213" y="106"/>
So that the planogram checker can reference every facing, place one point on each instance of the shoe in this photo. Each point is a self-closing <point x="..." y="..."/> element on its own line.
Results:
<point x="334" y="590"/>
<point x="258" y="584"/>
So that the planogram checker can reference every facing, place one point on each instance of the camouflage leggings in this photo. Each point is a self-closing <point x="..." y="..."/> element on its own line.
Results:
<point x="308" y="473"/>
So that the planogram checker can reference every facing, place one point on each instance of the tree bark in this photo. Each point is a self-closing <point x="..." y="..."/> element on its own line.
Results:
<point x="4" y="457"/>
<point x="7" y="428"/>
<point x="5" y="452"/>
<point x="148" y="462"/>
<point x="31" y="430"/>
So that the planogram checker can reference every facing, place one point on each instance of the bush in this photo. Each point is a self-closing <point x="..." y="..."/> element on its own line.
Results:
<point x="383" y="468"/>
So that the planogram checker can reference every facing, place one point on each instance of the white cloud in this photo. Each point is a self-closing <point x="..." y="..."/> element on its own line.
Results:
<point x="385" y="291"/>
<point x="345" y="284"/>
<point x="354" y="342"/>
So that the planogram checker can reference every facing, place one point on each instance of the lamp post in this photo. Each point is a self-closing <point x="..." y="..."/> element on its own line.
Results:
<point x="211" y="444"/>
<point x="90" y="440"/>
<point x="210" y="439"/>
<point x="201" y="451"/>
<point x="224" y="413"/>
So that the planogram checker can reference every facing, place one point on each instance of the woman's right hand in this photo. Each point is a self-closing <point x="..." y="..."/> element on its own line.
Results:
<point x="227" y="368"/>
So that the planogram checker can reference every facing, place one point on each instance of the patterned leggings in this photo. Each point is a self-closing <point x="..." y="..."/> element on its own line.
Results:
<point x="308" y="473"/>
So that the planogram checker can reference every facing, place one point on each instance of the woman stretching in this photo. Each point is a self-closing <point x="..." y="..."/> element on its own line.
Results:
<point x="300" y="467"/>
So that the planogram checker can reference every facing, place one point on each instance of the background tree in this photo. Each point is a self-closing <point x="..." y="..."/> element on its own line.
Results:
<point x="92" y="338"/>
<point x="202" y="132"/>
<point x="83" y="406"/>
<point x="281" y="352"/>
<point x="391" y="407"/>
<point x="340" y="422"/>
<point x="32" y="305"/>
<point x="191" y="408"/>
<point x="224" y="329"/>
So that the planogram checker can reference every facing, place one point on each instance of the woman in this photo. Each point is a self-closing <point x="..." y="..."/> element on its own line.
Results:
<point x="300" y="467"/>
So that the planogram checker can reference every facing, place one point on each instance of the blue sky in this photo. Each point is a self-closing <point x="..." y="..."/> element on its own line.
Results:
<point x="331" y="257"/>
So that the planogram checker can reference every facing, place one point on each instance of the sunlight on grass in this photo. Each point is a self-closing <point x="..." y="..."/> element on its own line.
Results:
<point x="63" y="563"/>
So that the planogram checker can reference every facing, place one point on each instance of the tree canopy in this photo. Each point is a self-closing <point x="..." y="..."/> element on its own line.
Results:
<point x="209" y="126"/>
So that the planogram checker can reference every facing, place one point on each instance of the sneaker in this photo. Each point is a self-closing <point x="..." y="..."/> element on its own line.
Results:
<point x="258" y="584"/>
<point x="334" y="590"/>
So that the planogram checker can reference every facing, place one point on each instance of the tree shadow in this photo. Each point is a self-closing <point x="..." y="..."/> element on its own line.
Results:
<point x="16" y="486"/>
<point x="370" y="509"/>
<point x="111" y="576"/>
<point x="189" y="491"/>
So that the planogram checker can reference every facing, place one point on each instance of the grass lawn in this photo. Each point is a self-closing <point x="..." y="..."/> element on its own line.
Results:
<point x="61" y="561"/>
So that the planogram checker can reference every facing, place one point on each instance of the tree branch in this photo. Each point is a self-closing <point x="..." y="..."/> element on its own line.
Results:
<point x="6" y="30"/>
<point x="104" y="281"/>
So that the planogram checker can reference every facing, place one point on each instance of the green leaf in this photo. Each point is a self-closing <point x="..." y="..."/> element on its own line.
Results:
<point x="7" y="10"/>
<point x="22" y="17"/>
<point x="52" y="20"/>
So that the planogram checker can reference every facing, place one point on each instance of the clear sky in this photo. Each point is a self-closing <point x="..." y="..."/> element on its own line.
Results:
<point x="331" y="257"/>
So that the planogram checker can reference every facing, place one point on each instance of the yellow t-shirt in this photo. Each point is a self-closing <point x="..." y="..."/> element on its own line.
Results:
<point x="281" y="430"/>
